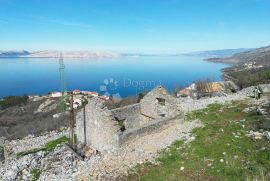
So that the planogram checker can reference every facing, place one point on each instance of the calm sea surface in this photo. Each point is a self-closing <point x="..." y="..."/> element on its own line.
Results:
<point x="122" y="76"/>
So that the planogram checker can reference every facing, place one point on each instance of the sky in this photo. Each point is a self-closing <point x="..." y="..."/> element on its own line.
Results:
<point x="134" y="25"/>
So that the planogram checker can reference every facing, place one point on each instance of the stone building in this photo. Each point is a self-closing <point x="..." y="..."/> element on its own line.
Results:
<point x="104" y="129"/>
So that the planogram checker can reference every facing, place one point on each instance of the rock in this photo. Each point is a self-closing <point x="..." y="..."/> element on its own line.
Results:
<point x="56" y="115"/>
<point x="249" y="109"/>
<point x="267" y="135"/>
<point x="255" y="135"/>
<point x="34" y="163"/>
<point x="41" y="154"/>
<point x="25" y="172"/>
<point x="2" y="140"/>
<point x="11" y="174"/>
<point x="89" y="152"/>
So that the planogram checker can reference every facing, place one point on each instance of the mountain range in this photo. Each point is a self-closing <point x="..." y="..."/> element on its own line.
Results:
<point x="55" y="54"/>
<point x="218" y="53"/>
<point x="259" y="55"/>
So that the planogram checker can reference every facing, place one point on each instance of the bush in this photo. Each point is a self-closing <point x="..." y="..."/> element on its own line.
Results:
<point x="203" y="87"/>
<point x="141" y="95"/>
<point x="10" y="101"/>
<point x="248" y="78"/>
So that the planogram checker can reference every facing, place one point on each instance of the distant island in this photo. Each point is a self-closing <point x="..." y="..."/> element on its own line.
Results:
<point x="55" y="54"/>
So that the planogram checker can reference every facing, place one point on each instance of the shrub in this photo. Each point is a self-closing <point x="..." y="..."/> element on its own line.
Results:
<point x="10" y="101"/>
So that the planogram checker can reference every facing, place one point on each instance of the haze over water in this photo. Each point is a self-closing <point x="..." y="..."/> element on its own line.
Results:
<point x="128" y="75"/>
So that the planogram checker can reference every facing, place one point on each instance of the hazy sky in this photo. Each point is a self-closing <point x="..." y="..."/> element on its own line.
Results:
<point x="134" y="25"/>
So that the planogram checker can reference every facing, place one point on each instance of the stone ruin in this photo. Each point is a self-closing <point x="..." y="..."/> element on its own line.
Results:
<point x="103" y="129"/>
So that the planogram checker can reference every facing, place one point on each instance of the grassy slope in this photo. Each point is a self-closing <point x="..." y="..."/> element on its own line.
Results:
<point x="223" y="137"/>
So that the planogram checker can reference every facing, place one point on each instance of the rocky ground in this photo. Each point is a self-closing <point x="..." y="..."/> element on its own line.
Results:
<point x="60" y="164"/>
<point x="189" y="104"/>
<point x="35" y="117"/>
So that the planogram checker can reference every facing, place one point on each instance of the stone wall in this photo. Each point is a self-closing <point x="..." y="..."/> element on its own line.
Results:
<point x="102" y="131"/>
<point x="265" y="87"/>
<point x="130" y="114"/>
<point x="103" y="128"/>
<point x="149" y="128"/>
<point x="152" y="104"/>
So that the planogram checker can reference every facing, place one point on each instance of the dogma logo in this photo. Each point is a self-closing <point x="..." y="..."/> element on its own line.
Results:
<point x="110" y="88"/>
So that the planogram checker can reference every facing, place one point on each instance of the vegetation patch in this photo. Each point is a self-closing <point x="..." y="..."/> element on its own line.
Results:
<point x="10" y="101"/>
<point x="35" y="150"/>
<point x="246" y="78"/>
<point x="221" y="150"/>
<point x="36" y="174"/>
<point x="50" y="146"/>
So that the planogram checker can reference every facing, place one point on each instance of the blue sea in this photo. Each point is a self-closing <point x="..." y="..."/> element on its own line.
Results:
<point x="123" y="76"/>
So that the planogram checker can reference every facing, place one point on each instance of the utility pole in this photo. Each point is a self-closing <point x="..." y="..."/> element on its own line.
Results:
<point x="84" y="118"/>
<point x="62" y="82"/>
<point x="72" y="122"/>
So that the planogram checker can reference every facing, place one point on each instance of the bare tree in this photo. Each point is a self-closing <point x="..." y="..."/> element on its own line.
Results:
<point x="203" y="87"/>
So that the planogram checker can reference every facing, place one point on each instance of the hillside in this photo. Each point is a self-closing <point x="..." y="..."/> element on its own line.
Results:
<point x="259" y="55"/>
<point x="249" y="68"/>
<point x="223" y="136"/>
<point x="55" y="54"/>
<point x="218" y="53"/>
<point x="13" y="53"/>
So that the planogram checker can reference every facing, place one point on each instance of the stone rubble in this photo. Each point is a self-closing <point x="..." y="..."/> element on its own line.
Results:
<point x="31" y="142"/>
<point x="189" y="104"/>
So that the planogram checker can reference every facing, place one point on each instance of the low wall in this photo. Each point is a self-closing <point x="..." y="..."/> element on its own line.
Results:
<point x="151" y="127"/>
<point x="265" y="87"/>
<point x="130" y="114"/>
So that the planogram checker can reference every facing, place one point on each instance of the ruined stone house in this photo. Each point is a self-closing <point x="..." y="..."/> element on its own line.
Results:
<point x="104" y="129"/>
<point x="208" y="89"/>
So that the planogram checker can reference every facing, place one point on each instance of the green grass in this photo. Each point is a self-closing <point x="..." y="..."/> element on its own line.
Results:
<point x="50" y="146"/>
<point x="35" y="150"/>
<point x="36" y="174"/>
<point x="222" y="137"/>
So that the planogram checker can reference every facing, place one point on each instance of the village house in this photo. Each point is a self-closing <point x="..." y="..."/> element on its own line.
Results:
<point x="56" y="94"/>
<point x="93" y="94"/>
<point x="208" y="89"/>
<point x="104" y="97"/>
<point x="76" y="91"/>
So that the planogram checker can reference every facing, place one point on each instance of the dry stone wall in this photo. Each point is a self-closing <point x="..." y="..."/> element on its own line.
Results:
<point x="102" y="129"/>
<point x="129" y="114"/>
<point x="158" y="104"/>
